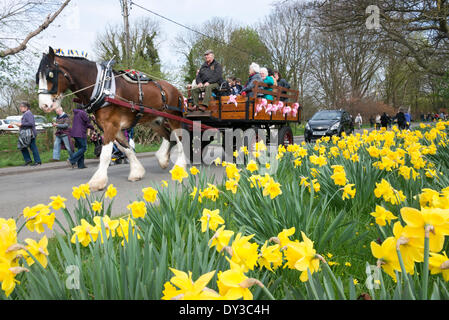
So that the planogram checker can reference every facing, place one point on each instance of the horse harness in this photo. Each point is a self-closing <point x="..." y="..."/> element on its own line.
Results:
<point x="105" y="86"/>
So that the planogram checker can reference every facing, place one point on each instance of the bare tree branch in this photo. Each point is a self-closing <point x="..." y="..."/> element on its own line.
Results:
<point x="22" y="46"/>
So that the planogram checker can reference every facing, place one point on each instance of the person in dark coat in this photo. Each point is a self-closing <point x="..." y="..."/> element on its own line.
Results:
<point x="81" y="122"/>
<point x="400" y="117"/>
<point x="254" y="76"/>
<point x="62" y="125"/>
<point x="384" y="120"/>
<point x="27" y="122"/>
<point x="281" y="82"/>
<point x="209" y="78"/>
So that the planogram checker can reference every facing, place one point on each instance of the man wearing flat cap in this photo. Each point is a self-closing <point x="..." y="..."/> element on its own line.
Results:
<point x="208" y="78"/>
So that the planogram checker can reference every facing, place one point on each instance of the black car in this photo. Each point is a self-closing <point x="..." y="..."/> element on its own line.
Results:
<point x="328" y="123"/>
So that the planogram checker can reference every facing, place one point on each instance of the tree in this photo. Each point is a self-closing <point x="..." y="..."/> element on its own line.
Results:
<point x="20" y="15"/>
<point x="419" y="28"/>
<point x="143" y="55"/>
<point x="235" y="47"/>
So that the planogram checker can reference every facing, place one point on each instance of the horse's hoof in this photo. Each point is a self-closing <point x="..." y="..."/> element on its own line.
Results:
<point x="97" y="185"/>
<point x="134" y="179"/>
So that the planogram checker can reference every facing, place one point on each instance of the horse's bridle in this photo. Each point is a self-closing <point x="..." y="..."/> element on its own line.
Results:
<point x="52" y="76"/>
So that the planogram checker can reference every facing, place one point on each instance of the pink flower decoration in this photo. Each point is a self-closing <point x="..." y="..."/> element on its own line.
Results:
<point x="259" y="107"/>
<point x="286" y="110"/>
<point x="269" y="109"/>
<point x="232" y="99"/>
<point x="264" y="102"/>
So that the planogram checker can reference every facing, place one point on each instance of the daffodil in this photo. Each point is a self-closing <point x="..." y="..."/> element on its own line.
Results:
<point x="109" y="225"/>
<point x="58" y="202"/>
<point x="194" y="170"/>
<point x="348" y="192"/>
<point x="272" y="188"/>
<point x="307" y="257"/>
<point x="138" y="209"/>
<point x="387" y="256"/>
<point x="252" y="166"/>
<point x="111" y="192"/>
<point x="244" y="252"/>
<point x="97" y="206"/>
<point x="270" y="257"/>
<point x="231" y="185"/>
<point x="187" y="288"/>
<point x="149" y="194"/>
<point x="210" y="219"/>
<point x="231" y="283"/>
<point x="439" y="263"/>
<point x="178" y="173"/>
<point x="38" y="250"/>
<point x="383" y="216"/>
<point x="435" y="218"/>
<point x="221" y="238"/>
<point x="85" y="233"/>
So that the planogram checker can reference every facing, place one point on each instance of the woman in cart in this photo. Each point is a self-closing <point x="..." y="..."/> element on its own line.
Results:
<point x="268" y="80"/>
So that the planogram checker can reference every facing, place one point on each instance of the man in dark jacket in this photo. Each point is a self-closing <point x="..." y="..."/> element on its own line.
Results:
<point x="209" y="78"/>
<point x="27" y="122"/>
<point x="62" y="125"/>
<point x="400" y="117"/>
<point x="384" y="120"/>
<point x="80" y="124"/>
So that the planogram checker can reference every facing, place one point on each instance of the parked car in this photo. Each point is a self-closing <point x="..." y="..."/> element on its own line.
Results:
<point x="6" y="126"/>
<point x="328" y="123"/>
<point x="39" y="120"/>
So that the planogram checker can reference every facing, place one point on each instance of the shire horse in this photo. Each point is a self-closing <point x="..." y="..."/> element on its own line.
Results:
<point x="57" y="74"/>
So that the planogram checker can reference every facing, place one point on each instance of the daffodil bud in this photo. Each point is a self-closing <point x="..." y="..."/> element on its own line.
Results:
<point x="429" y="228"/>
<point x="317" y="256"/>
<point x="228" y="249"/>
<point x="15" y="247"/>
<point x="445" y="265"/>
<point x="249" y="282"/>
<point x="401" y="241"/>
<point x="17" y="270"/>
<point x="275" y="240"/>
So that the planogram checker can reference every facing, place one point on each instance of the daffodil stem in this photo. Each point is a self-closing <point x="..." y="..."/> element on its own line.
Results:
<point x="268" y="293"/>
<point x="425" y="278"/>
<point x="404" y="274"/>
<point x="334" y="279"/>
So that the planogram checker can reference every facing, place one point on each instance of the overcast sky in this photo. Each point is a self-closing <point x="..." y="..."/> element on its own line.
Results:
<point x="82" y="20"/>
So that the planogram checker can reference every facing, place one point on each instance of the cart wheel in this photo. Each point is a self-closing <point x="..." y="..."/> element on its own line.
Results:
<point x="285" y="136"/>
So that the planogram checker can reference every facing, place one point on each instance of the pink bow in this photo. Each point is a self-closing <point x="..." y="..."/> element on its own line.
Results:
<point x="259" y="107"/>
<point x="286" y="110"/>
<point x="232" y="99"/>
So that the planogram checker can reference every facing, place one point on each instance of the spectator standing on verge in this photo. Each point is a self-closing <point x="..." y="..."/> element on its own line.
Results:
<point x="28" y="127"/>
<point x="62" y="125"/>
<point x="378" y="121"/>
<point x="81" y="122"/>
<point x="408" y="119"/>
<point x="384" y="120"/>
<point x="358" y="120"/>
<point x="400" y="117"/>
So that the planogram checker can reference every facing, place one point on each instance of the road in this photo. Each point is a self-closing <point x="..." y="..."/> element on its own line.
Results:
<point x="22" y="187"/>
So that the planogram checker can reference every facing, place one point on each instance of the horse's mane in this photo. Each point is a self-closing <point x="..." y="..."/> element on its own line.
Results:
<point x="45" y="61"/>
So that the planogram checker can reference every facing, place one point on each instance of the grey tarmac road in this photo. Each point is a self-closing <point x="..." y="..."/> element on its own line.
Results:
<point x="22" y="187"/>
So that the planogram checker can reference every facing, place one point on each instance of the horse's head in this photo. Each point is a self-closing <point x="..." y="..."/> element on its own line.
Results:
<point x="52" y="82"/>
